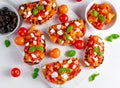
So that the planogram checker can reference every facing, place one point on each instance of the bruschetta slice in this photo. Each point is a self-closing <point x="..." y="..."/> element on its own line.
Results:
<point x="67" y="33"/>
<point x="94" y="54"/>
<point x="38" y="12"/>
<point x="61" y="71"/>
<point x="35" y="46"/>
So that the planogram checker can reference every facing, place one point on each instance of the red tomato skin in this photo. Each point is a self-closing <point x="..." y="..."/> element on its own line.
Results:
<point x="63" y="18"/>
<point x="79" y="44"/>
<point x="22" y="31"/>
<point x="15" y="72"/>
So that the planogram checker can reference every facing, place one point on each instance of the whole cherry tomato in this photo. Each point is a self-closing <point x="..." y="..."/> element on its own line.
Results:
<point x="15" y="72"/>
<point x="63" y="9"/>
<point x="63" y="18"/>
<point x="22" y="31"/>
<point x="79" y="44"/>
<point x="55" y="53"/>
<point x="19" y="40"/>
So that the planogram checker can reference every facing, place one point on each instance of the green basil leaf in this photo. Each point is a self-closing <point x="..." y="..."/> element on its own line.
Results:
<point x="100" y="53"/>
<point x="115" y="36"/>
<point x="109" y="39"/>
<point x="34" y="75"/>
<point x="69" y="70"/>
<point x="67" y="36"/>
<point x="93" y="76"/>
<point x="71" y="53"/>
<point x="95" y="13"/>
<point x="32" y="49"/>
<point x="40" y="7"/>
<point x="35" y="11"/>
<point x="36" y="70"/>
<point x="96" y="49"/>
<point x="102" y="18"/>
<point x="40" y="48"/>
<point x="7" y="43"/>
<point x="62" y="70"/>
<point x="69" y="29"/>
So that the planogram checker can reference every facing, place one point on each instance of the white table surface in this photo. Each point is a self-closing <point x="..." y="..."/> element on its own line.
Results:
<point x="109" y="70"/>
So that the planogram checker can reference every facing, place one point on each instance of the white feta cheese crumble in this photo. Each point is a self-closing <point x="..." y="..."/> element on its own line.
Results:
<point x="95" y="59"/>
<point x="65" y="66"/>
<point x="61" y="61"/>
<point x="54" y="75"/>
<point x="25" y="13"/>
<point x="100" y="41"/>
<point x="39" y="18"/>
<point x="52" y="31"/>
<point x="77" y="23"/>
<point x="42" y="36"/>
<point x="60" y="32"/>
<point x="35" y="42"/>
<point x="22" y="7"/>
<point x="33" y="55"/>
<point x="70" y="38"/>
<point x="54" y="5"/>
<point x="64" y="76"/>
<point x="66" y="24"/>
<point x="74" y="66"/>
<point x="27" y="44"/>
<point x="86" y="63"/>
<point x="42" y="41"/>
<point x="77" y="30"/>
<point x="46" y="13"/>
<point x="58" y="26"/>
<point x="44" y="2"/>
<point x="28" y="14"/>
<point x="32" y="35"/>
<point x="62" y="42"/>
<point x="35" y="38"/>
<point x="69" y="61"/>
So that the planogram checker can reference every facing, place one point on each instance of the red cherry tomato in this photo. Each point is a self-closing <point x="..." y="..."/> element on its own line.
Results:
<point x="78" y="0"/>
<point x="63" y="18"/>
<point x="22" y="31"/>
<point x="79" y="44"/>
<point x="15" y="72"/>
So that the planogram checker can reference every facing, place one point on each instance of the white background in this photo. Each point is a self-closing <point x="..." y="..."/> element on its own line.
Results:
<point x="109" y="70"/>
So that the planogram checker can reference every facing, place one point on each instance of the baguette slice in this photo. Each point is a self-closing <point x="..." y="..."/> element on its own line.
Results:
<point x="35" y="47"/>
<point x="38" y="12"/>
<point x="94" y="54"/>
<point x="67" y="33"/>
<point x="61" y="71"/>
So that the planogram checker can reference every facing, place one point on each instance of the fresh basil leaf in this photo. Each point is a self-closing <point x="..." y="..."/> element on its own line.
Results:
<point x="67" y="36"/>
<point x="62" y="70"/>
<point x="96" y="49"/>
<point x="109" y="39"/>
<point x="115" y="36"/>
<point x="95" y="13"/>
<point x="40" y="48"/>
<point x="102" y="18"/>
<point x="36" y="70"/>
<point x="69" y="29"/>
<point x="93" y="76"/>
<point x="7" y="43"/>
<point x="100" y="53"/>
<point x="71" y="53"/>
<point x="40" y="7"/>
<point x="34" y="75"/>
<point x="69" y="70"/>
<point x="32" y="49"/>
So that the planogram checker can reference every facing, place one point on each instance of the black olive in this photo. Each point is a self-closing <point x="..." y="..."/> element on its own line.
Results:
<point x="2" y="30"/>
<point x="5" y="8"/>
<point x="7" y="18"/>
<point x="1" y="25"/>
<point x="1" y="19"/>
<point x="12" y="14"/>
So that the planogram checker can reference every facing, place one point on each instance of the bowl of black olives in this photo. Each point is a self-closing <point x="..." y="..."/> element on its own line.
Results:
<point x="9" y="19"/>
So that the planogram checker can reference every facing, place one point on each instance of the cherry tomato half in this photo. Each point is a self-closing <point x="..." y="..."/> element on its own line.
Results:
<point x="78" y="0"/>
<point x="22" y="31"/>
<point x="15" y="72"/>
<point x="19" y="40"/>
<point x="63" y="18"/>
<point x="55" y="53"/>
<point x="79" y="44"/>
<point x="63" y="9"/>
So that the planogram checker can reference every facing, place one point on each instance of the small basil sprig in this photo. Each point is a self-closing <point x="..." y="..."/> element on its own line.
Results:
<point x="96" y="14"/>
<point x="112" y="36"/>
<point x="93" y="76"/>
<point x="97" y="51"/>
<point x="71" y="53"/>
<point x="35" y="73"/>
<point x="34" y="48"/>
<point x="69" y="29"/>
<point x="65" y="70"/>
<point x="7" y="43"/>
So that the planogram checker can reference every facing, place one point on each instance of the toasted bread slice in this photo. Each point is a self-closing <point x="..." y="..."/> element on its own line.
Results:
<point x="67" y="33"/>
<point x="61" y="71"/>
<point x="94" y="54"/>
<point x="38" y="12"/>
<point x="35" y="47"/>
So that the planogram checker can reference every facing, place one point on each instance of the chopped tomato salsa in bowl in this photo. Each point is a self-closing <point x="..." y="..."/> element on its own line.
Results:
<point x="100" y="15"/>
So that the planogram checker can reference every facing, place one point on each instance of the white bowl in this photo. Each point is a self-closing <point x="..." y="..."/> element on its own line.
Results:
<point x="3" y="4"/>
<point x="112" y="10"/>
